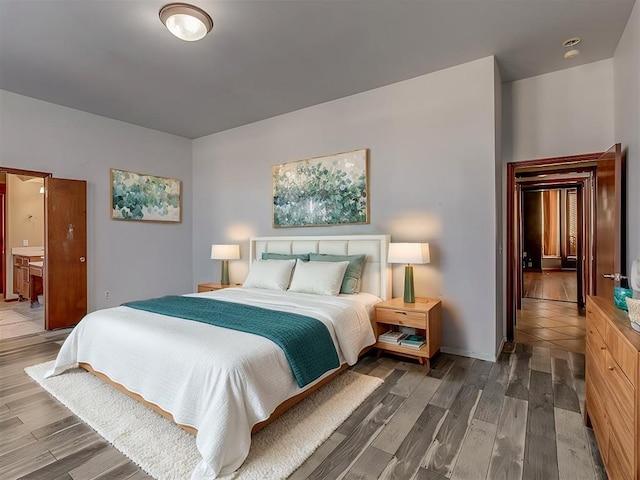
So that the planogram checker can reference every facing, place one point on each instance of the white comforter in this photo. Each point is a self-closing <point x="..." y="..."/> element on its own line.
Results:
<point x="220" y="381"/>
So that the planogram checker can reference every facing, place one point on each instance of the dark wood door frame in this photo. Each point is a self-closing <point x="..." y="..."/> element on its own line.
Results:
<point x="548" y="166"/>
<point x="580" y="182"/>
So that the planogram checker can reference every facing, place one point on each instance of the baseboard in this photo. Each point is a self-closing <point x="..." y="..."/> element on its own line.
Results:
<point x="467" y="353"/>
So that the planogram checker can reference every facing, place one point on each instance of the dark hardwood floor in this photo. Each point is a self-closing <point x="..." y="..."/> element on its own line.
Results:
<point x="518" y="418"/>
<point x="561" y="286"/>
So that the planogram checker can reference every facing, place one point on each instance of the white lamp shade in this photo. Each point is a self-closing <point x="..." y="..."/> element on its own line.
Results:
<point x="408" y="253"/>
<point x="225" y="252"/>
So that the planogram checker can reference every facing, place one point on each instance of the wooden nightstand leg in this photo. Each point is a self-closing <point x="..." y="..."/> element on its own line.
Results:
<point x="427" y="365"/>
<point x="378" y="352"/>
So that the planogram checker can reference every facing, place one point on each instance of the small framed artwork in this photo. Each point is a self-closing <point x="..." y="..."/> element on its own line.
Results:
<point x="147" y="198"/>
<point x="329" y="190"/>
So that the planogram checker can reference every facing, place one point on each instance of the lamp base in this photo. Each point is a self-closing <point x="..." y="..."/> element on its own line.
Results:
<point x="409" y="293"/>
<point x="224" y="275"/>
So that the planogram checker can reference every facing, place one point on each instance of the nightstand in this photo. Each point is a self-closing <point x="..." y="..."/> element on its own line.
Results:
<point x="425" y="316"/>
<point x="212" y="287"/>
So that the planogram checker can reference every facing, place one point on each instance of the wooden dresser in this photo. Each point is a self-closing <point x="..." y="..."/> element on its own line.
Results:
<point x="612" y="405"/>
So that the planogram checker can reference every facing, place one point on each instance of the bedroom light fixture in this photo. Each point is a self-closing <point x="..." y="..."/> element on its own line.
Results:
<point x="408" y="253"/>
<point x="570" y="43"/>
<point x="185" y="21"/>
<point x="225" y="253"/>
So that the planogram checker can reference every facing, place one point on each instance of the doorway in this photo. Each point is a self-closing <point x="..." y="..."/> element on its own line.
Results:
<point x="62" y="273"/>
<point x="545" y="317"/>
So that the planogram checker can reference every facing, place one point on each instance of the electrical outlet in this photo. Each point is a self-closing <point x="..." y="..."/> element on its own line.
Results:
<point x="107" y="294"/>
<point x="25" y="243"/>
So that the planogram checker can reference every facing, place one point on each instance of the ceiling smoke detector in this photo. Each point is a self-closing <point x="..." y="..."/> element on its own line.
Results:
<point x="570" y="43"/>
<point x="573" y="53"/>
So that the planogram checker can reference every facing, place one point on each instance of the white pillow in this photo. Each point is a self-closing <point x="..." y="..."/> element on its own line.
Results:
<point x="322" y="278"/>
<point x="269" y="274"/>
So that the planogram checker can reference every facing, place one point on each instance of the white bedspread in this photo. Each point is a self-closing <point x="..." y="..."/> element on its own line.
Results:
<point x="220" y="381"/>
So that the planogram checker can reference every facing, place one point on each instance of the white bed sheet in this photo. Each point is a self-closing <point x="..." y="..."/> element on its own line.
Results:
<point x="220" y="381"/>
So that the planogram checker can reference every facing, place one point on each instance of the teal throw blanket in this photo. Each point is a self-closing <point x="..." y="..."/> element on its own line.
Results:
<point x="306" y="341"/>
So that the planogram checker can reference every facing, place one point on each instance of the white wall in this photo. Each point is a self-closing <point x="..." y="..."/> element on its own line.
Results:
<point x="561" y="113"/>
<point x="133" y="260"/>
<point x="626" y="66"/>
<point x="432" y="178"/>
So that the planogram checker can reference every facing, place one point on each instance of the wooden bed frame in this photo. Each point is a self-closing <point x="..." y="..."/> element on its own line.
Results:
<point x="376" y="280"/>
<point x="280" y="409"/>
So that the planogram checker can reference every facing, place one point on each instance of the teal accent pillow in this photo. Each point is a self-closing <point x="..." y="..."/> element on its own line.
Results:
<point x="351" y="280"/>
<point x="285" y="256"/>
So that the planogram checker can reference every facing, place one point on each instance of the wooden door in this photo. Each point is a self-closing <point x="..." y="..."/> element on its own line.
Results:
<point x="609" y="254"/>
<point x="65" y="272"/>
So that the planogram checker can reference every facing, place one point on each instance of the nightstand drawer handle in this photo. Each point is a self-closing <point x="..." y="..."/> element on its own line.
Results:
<point x="401" y="313"/>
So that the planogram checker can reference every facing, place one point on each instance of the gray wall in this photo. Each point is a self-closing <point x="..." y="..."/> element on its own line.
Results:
<point x="131" y="259"/>
<point x="626" y="67"/>
<point x="561" y="113"/>
<point x="432" y="178"/>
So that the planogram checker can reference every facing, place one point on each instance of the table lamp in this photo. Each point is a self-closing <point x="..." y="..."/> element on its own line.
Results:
<point x="225" y="253"/>
<point x="408" y="253"/>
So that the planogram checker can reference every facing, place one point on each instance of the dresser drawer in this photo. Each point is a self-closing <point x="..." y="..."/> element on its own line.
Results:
<point x="598" y="416"/>
<point x="405" y="319"/>
<point x="596" y="321"/>
<point x="620" y="458"/>
<point x="623" y="355"/>
<point x="595" y="367"/>
<point x="597" y="347"/>
<point x="621" y="400"/>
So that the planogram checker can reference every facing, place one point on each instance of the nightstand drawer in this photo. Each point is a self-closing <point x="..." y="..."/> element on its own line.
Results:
<point x="398" y="317"/>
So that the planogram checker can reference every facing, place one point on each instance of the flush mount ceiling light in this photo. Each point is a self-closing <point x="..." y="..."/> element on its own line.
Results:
<point x="570" y="43"/>
<point x="185" y="21"/>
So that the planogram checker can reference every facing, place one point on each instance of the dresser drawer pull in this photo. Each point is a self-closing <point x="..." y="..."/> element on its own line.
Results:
<point x="611" y="368"/>
<point x="401" y="313"/>
<point x="603" y="348"/>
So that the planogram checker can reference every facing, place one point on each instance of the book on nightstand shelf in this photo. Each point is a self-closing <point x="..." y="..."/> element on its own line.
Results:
<point x="392" y="337"/>
<point x="413" y="341"/>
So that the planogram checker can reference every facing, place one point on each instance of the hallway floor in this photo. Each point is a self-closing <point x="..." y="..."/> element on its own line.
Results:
<point x="551" y="324"/>
<point x="551" y="285"/>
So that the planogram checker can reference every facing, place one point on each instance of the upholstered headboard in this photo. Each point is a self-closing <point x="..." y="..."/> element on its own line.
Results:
<point x="376" y="277"/>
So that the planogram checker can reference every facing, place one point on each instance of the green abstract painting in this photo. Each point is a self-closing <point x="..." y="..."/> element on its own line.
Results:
<point x="329" y="190"/>
<point x="136" y="196"/>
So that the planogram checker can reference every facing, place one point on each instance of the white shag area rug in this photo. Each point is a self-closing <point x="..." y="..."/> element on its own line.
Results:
<point x="165" y="451"/>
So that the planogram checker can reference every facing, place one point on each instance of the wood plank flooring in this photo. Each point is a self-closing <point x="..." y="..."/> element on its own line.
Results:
<point x="517" y="418"/>
<point x="551" y="285"/>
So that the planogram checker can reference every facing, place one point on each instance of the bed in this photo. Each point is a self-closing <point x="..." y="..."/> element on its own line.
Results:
<point x="222" y="384"/>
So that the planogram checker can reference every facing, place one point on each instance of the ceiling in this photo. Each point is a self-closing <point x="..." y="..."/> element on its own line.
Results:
<point x="267" y="57"/>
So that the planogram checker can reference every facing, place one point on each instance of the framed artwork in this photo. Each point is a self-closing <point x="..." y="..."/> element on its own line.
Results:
<point x="137" y="196"/>
<point x="329" y="190"/>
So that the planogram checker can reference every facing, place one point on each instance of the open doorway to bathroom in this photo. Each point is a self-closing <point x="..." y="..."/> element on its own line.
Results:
<point x="22" y="238"/>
